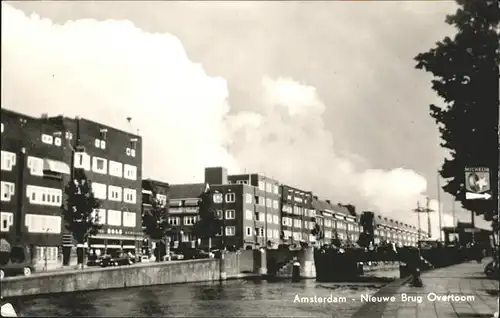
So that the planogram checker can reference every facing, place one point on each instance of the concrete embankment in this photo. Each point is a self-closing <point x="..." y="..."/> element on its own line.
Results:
<point x="380" y="266"/>
<point x="127" y="276"/>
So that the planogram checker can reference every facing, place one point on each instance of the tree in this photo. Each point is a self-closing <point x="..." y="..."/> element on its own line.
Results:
<point x="79" y="213"/>
<point x="336" y="241"/>
<point x="317" y="232"/>
<point x="209" y="224"/>
<point x="155" y="222"/>
<point x="465" y="71"/>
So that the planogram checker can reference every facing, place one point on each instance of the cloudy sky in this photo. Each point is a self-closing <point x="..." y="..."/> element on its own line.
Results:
<point x="320" y="95"/>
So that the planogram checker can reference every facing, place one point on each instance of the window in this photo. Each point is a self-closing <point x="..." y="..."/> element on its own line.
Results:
<point x="174" y="220"/>
<point x="269" y="187"/>
<point x="100" y="215"/>
<point x="218" y="214"/>
<point x="297" y="224"/>
<point x="162" y="199"/>
<point x="230" y="230"/>
<point x="47" y="253"/>
<point x="82" y="161"/>
<point x="35" y="165"/>
<point x="2" y="128"/>
<point x="217" y="197"/>
<point x="57" y="142"/>
<point x="269" y="218"/>
<point x="6" y="220"/>
<point x="130" y="172"/>
<point x="129" y="196"/>
<point x="46" y="224"/>
<point x="190" y="220"/>
<point x="230" y="215"/>
<point x="258" y="217"/>
<point x="276" y="204"/>
<point x="249" y="215"/>
<point x="269" y="203"/>
<point x="47" y="139"/>
<point x="99" y="165"/>
<point x="68" y="135"/>
<point x="129" y="219"/>
<point x="248" y="231"/>
<point x="276" y="219"/>
<point x="262" y="201"/>
<point x="115" y="169"/>
<point x="114" y="193"/>
<point x="230" y="197"/>
<point x="99" y="190"/>
<point x="269" y="233"/>
<point x="8" y="160"/>
<point x="248" y="198"/>
<point x="44" y="196"/>
<point x="276" y="189"/>
<point x="115" y="217"/>
<point x="262" y="185"/>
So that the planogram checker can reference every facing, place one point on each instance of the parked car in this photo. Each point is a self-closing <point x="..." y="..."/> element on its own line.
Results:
<point x="144" y="259"/>
<point x="197" y="254"/>
<point x="176" y="256"/>
<point x="119" y="260"/>
<point x="15" y="262"/>
<point x="93" y="260"/>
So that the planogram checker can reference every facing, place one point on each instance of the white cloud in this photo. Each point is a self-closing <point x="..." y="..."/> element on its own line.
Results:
<point x="106" y="71"/>
<point x="289" y="140"/>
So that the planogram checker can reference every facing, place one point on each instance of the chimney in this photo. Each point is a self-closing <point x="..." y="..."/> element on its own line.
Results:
<point x="315" y="197"/>
<point x="328" y="201"/>
<point x="44" y="116"/>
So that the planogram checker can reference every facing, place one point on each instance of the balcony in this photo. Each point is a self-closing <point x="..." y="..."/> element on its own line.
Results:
<point x="181" y="210"/>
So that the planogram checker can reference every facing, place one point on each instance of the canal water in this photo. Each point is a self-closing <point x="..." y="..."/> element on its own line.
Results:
<point x="234" y="298"/>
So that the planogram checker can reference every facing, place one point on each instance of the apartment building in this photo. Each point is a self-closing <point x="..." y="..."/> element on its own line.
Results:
<point x="262" y="220"/>
<point x="393" y="231"/>
<point x="184" y="211"/>
<point x="298" y="215"/>
<point x="32" y="174"/>
<point x="162" y="190"/>
<point x="324" y="218"/>
<point x="112" y="161"/>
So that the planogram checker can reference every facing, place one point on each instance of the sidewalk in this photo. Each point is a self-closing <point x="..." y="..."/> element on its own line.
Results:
<point x="465" y="279"/>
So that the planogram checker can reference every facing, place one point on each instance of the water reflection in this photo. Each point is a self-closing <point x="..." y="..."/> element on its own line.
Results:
<point x="227" y="299"/>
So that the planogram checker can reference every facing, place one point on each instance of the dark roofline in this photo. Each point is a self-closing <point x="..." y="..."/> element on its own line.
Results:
<point x="156" y="182"/>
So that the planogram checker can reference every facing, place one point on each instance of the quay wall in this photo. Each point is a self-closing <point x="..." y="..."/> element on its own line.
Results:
<point x="141" y="274"/>
<point x="115" y="277"/>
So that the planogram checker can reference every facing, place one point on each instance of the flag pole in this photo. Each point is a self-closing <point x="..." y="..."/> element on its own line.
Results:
<point x="439" y="207"/>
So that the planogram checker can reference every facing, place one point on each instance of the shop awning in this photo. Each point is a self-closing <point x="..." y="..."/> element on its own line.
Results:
<point x="56" y="166"/>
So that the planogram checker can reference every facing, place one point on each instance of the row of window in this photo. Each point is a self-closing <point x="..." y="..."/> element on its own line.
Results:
<point x="51" y="140"/>
<point x="260" y="232"/>
<point x="219" y="198"/>
<point x="44" y="196"/>
<point x="43" y="224"/>
<point x="269" y="187"/>
<point x="188" y="220"/>
<point x="8" y="160"/>
<point x="115" y="217"/>
<point x="114" y="193"/>
<point x="102" y="166"/>
<point x="47" y="253"/>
